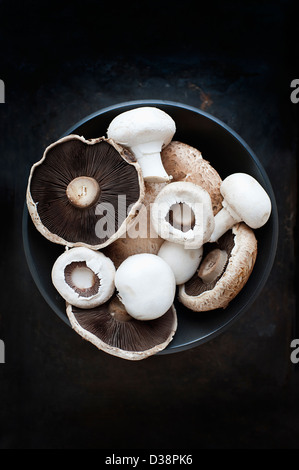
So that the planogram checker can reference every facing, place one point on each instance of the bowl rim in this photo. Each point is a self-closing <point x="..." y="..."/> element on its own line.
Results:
<point x="275" y="232"/>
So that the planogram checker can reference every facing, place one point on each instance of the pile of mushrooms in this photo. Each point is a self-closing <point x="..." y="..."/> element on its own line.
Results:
<point x="195" y="242"/>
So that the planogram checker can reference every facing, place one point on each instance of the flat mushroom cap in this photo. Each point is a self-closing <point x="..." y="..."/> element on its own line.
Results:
<point x="241" y="244"/>
<point x="100" y="162"/>
<point x="198" y="200"/>
<point x="185" y="163"/>
<point x="84" y="277"/>
<point x="118" y="334"/>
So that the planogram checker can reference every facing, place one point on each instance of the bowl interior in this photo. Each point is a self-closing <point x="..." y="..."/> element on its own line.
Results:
<point x="227" y="153"/>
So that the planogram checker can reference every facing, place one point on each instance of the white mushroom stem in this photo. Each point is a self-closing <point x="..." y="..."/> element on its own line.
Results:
<point x="224" y="221"/>
<point x="245" y="200"/>
<point x="82" y="277"/>
<point x="145" y="131"/>
<point x="183" y="261"/>
<point x="83" y="191"/>
<point x="213" y="265"/>
<point x="148" y="156"/>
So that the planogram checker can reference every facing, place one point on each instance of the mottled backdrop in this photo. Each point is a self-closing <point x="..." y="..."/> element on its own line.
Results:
<point x="61" y="61"/>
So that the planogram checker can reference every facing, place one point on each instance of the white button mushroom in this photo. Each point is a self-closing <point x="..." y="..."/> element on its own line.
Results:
<point x="183" y="261"/>
<point x="245" y="200"/>
<point x="194" y="226"/>
<point x="146" y="286"/>
<point x="145" y="131"/>
<point x="84" y="277"/>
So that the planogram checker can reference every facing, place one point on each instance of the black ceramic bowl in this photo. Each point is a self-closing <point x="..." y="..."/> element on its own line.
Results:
<point x="227" y="153"/>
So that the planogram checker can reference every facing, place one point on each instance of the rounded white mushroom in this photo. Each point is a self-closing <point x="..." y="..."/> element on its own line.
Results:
<point x="145" y="131"/>
<point x="146" y="286"/>
<point x="194" y="226"/>
<point x="245" y="200"/>
<point x="84" y="277"/>
<point x="183" y="261"/>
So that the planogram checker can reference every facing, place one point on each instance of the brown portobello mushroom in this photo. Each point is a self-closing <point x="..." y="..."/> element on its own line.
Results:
<point x="111" y="329"/>
<point x="225" y="268"/>
<point x="84" y="192"/>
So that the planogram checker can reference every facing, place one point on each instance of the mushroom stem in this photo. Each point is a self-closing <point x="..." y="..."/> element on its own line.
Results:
<point x="212" y="265"/>
<point x="149" y="158"/>
<point x="82" y="277"/>
<point x="83" y="191"/>
<point x="224" y="220"/>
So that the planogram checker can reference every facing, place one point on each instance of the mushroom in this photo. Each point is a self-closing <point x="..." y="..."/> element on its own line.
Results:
<point x="183" y="261"/>
<point x="223" y="272"/>
<point x="185" y="163"/>
<point x="145" y="131"/>
<point x="146" y="286"/>
<point x="111" y="329"/>
<point x="84" y="192"/>
<point x="140" y="237"/>
<point x="245" y="200"/>
<point x="193" y="229"/>
<point x="84" y="277"/>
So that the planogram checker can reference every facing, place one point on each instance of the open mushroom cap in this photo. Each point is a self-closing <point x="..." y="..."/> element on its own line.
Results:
<point x="185" y="163"/>
<point x="240" y="245"/>
<point x="84" y="192"/>
<point x="196" y="203"/>
<point x="84" y="277"/>
<point x="112" y="330"/>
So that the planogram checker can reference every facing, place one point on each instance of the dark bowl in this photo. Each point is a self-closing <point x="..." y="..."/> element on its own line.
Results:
<point x="227" y="153"/>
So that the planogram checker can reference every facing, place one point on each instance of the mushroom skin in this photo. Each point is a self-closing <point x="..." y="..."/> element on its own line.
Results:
<point x="183" y="261"/>
<point x="141" y="236"/>
<point x="113" y="331"/>
<point x="84" y="277"/>
<point x="198" y="199"/>
<point x="245" y="200"/>
<point x="146" y="286"/>
<point x="67" y="203"/>
<point x="240" y="264"/>
<point x="145" y="131"/>
<point x="186" y="163"/>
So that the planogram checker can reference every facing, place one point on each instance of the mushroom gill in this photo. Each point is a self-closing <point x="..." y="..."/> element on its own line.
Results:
<point x="82" y="192"/>
<point x="240" y="245"/>
<point x="111" y="329"/>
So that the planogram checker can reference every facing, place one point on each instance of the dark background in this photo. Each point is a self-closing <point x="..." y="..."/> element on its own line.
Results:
<point x="63" y="61"/>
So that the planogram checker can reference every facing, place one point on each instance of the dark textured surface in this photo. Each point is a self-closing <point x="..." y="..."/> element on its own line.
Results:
<point x="59" y="65"/>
